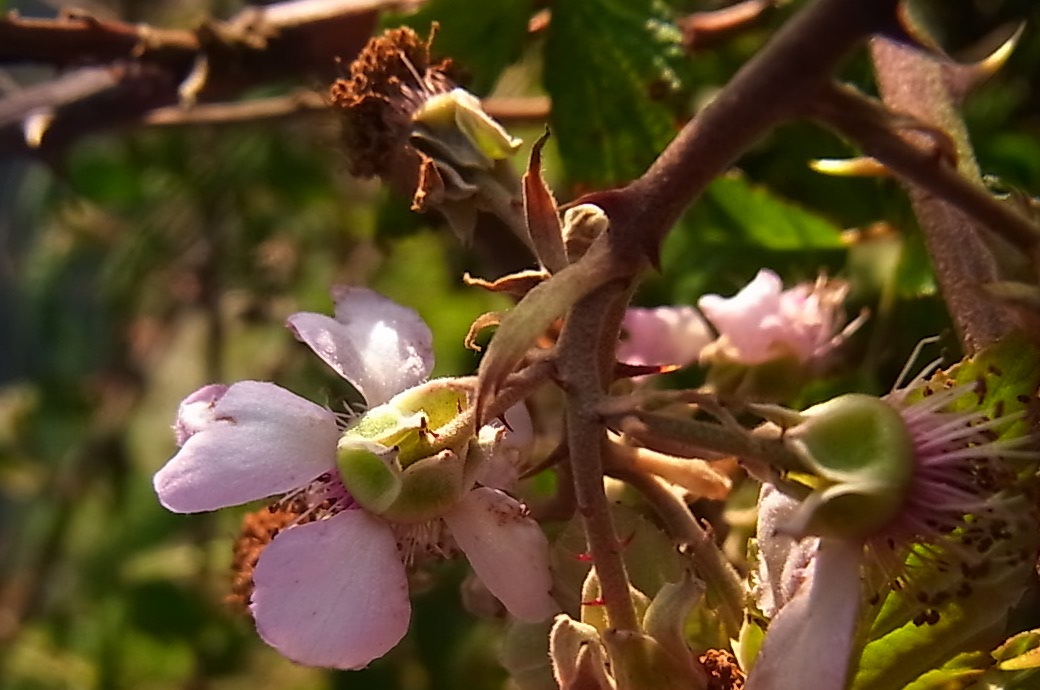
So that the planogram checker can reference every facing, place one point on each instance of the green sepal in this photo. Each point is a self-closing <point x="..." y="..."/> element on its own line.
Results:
<point x="456" y="126"/>
<point x="429" y="488"/>
<point x="862" y="457"/>
<point x="418" y="422"/>
<point x="640" y="663"/>
<point x="367" y="475"/>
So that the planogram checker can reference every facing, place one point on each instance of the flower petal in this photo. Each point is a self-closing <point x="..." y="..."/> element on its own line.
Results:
<point x="508" y="551"/>
<point x="333" y="592"/>
<point x="663" y="336"/>
<point x="748" y="323"/>
<point x="253" y="441"/>
<point x="377" y="345"/>
<point x="809" y="643"/>
<point x="508" y="442"/>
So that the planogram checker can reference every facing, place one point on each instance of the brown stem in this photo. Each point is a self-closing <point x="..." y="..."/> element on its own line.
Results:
<point x="705" y="29"/>
<point x="694" y="438"/>
<point x="145" y="68"/>
<point x="583" y="383"/>
<point x="794" y="64"/>
<point x="912" y="83"/>
<point x="80" y="39"/>
<point x="867" y="123"/>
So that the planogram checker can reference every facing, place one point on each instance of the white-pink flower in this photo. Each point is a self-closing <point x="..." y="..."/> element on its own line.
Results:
<point x="764" y="322"/>
<point x="333" y="592"/>
<point x="662" y="336"/>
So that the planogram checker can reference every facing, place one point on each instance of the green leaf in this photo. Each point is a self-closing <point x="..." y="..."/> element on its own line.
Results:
<point x="737" y="225"/>
<point x="737" y="209"/>
<point x="483" y="38"/>
<point x="607" y="65"/>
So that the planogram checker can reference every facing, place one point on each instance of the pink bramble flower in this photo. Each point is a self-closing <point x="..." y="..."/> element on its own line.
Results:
<point x="331" y="588"/>
<point x="763" y="322"/>
<point x="918" y="493"/>
<point x="663" y="336"/>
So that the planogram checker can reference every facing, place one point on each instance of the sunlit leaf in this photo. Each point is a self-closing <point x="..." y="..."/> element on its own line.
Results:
<point x="610" y="66"/>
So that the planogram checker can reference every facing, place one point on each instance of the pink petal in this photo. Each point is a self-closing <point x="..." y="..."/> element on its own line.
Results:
<point x="333" y="592"/>
<point x="809" y="643"/>
<point x="508" y="551"/>
<point x="665" y="335"/>
<point x="748" y="323"/>
<point x="253" y="441"/>
<point x="379" y="346"/>
<point x="196" y="411"/>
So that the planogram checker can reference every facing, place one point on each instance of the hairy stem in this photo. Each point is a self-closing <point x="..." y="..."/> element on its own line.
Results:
<point x="912" y="83"/>
<point x="694" y="438"/>
<point x="583" y="381"/>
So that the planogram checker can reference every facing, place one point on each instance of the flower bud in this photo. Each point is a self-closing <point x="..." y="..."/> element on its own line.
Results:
<point x="640" y="663"/>
<point x="861" y="456"/>
<point x="665" y="618"/>
<point x="578" y="659"/>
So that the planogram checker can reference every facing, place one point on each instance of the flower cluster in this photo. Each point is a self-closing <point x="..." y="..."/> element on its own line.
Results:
<point x="762" y="323"/>
<point x="331" y="588"/>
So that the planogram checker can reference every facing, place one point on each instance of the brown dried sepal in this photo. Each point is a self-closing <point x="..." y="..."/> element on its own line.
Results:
<point x="515" y="284"/>
<point x="391" y="77"/>
<point x="540" y="209"/>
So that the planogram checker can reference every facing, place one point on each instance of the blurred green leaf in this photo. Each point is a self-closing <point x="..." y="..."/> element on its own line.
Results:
<point x="482" y="38"/>
<point x="736" y="228"/>
<point x="611" y="66"/>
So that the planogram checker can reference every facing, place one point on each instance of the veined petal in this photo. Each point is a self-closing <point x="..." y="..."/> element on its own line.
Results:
<point x="333" y="592"/>
<point x="809" y="643"/>
<point x="377" y="345"/>
<point x="253" y="441"/>
<point x="508" y="551"/>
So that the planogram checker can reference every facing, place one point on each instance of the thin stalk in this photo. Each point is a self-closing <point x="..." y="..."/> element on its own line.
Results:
<point x="711" y="565"/>
<point x="694" y="438"/>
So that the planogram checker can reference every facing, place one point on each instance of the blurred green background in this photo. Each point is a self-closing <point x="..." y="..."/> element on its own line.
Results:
<point x="145" y="263"/>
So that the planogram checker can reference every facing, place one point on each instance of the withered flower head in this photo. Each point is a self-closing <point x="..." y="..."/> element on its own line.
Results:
<point x="389" y="81"/>
<point x="408" y="123"/>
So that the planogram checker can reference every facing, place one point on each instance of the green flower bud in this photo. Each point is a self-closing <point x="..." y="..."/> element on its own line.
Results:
<point x="665" y="618"/>
<point x="578" y="658"/>
<point x="861" y="456"/>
